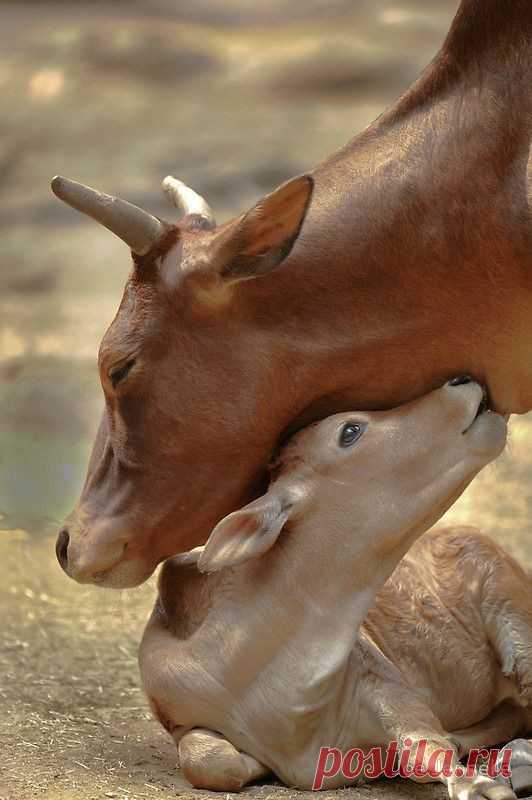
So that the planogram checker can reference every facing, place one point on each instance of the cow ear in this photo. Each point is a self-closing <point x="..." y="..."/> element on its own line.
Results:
<point x="245" y="534"/>
<point x="259" y="241"/>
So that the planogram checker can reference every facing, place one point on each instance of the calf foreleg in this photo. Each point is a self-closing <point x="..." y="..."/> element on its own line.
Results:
<point x="208" y="761"/>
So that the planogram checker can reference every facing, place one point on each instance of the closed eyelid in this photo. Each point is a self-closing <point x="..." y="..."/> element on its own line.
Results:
<point x="119" y="372"/>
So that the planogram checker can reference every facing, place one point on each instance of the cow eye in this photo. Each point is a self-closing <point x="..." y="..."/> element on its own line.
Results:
<point x="351" y="433"/>
<point x="117" y="375"/>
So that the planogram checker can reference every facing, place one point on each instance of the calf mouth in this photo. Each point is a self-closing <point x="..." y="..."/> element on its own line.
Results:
<point x="484" y="405"/>
<point x="483" y="408"/>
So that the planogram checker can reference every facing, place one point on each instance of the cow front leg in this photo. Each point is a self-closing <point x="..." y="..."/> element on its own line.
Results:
<point x="208" y="761"/>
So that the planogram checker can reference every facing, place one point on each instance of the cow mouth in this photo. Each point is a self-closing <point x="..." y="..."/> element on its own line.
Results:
<point x="102" y="575"/>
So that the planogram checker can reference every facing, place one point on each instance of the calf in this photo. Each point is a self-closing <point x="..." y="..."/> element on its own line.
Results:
<point x="297" y="638"/>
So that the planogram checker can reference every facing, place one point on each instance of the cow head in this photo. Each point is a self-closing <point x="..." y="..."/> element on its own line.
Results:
<point x="411" y="264"/>
<point x="186" y="370"/>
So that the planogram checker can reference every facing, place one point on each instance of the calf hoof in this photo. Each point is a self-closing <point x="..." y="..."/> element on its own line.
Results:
<point x="480" y="788"/>
<point x="201" y="778"/>
<point x="520" y="766"/>
<point x="213" y="763"/>
<point x="521" y="781"/>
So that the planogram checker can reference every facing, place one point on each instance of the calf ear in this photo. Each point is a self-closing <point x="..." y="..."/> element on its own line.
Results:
<point x="245" y="534"/>
<point x="259" y="241"/>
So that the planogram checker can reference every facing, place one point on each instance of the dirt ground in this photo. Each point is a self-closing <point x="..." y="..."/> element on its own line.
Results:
<point x="232" y="97"/>
<point x="74" y="723"/>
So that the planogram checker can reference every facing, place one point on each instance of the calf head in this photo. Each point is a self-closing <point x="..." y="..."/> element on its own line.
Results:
<point x="387" y="476"/>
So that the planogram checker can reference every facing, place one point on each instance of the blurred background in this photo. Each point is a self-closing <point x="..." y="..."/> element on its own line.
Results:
<point x="233" y="97"/>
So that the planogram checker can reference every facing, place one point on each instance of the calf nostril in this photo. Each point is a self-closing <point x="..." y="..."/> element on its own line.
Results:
<point x="61" y="548"/>
<point x="460" y="380"/>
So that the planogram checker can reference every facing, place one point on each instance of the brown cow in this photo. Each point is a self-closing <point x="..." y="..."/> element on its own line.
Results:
<point x="403" y="259"/>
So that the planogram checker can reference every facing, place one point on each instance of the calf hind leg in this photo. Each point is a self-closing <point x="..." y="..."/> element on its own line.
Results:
<point x="507" y="613"/>
<point x="410" y="721"/>
<point x="208" y="761"/>
<point x="504" y="722"/>
<point x="506" y="609"/>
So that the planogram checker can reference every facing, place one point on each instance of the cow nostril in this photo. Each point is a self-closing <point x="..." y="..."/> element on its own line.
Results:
<point x="61" y="548"/>
<point x="460" y="380"/>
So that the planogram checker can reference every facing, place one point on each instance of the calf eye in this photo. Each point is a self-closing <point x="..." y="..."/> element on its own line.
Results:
<point x="117" y="375"/>
<point x="350" y="433"/>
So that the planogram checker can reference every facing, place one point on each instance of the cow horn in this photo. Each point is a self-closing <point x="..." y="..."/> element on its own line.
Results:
<point x="188" y="201"/>
<point x="138" y="229"/>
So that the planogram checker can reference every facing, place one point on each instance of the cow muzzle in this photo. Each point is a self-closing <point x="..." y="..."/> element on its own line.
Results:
<point x="102" y="557"/>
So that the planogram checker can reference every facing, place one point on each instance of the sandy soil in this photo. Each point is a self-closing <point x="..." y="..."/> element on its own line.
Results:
<point x="74" y="722"/>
